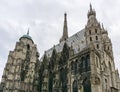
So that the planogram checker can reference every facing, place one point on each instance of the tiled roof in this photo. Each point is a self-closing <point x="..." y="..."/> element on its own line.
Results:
<point x="77" y="41"/>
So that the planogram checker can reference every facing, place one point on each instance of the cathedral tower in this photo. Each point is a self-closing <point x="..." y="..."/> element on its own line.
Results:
<point x="93" y="30"/>
<point x="19" y="72"/>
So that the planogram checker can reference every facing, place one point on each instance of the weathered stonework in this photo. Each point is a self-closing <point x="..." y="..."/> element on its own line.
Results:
<point x="83" y="62"/>
<point x="19" y="72"/>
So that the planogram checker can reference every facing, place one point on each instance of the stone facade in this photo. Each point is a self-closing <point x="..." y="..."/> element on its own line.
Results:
<point x="83" y="62"/>
<point x="19" y="72"/>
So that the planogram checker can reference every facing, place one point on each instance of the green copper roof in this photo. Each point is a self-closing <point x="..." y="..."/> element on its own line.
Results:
<point x="27" y="36"/>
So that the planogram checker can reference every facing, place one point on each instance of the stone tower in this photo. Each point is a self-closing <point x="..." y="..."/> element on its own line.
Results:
<point x="93" y="30"/>
<point x="102" y="64"/>
<point x="19" y="72"/>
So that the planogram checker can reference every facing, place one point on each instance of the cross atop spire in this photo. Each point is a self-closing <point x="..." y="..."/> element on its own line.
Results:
<point x="65" y="29"/>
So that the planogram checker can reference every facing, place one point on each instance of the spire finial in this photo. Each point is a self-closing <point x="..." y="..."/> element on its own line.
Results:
<point x="65" y="15"/>
<point x="90" y="7"/>
<point x="91" y="11"/>
<point x="28" y="32"/>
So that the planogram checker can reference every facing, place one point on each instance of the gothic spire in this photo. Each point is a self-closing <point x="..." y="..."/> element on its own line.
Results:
<point x="65" y="29"/>
<point x="92" y="20"/>
<point x="90" y="7"/>
<point x="91" y="11"/>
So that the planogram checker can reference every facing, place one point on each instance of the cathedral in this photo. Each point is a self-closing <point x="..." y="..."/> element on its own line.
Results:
<point x="83" y="62"/>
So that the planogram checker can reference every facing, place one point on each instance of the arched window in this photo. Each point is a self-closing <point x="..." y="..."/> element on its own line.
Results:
<point x="95" y="30"/>
<point x="75" y="86"/>
<point x="28" y="47"/>
<point x="96" y="37"/>
<point x="89" y="31"/>
<point x="50" y="85"/>
<point x="63" y="79"/>
<point x="74" y="67"/>
<point x="90" y="38"/>
<point x="97" y="46"/>
<point x="86" y="85"/>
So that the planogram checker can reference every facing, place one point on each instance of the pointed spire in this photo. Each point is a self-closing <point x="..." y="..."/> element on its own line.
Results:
<point x="91" y="11"/>
<point x="65" y="29"/>
<point x="28" y="32"/>
<point x="90" y="7"/>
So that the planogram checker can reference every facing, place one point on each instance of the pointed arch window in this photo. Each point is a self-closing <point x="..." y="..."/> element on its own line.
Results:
<point x="86" y="85"/>
<point x="74" y="67"/>
<point x="95" y="30"/>
<point x="64" y="80"/>
<point x="50" y="85"/>
<point x="75" y="86"/>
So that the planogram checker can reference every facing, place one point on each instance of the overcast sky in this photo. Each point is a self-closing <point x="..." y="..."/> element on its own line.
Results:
<point x="45" y="20"/>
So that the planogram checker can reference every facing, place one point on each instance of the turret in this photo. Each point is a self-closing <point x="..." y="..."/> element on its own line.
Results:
<point x="93" y="30"/>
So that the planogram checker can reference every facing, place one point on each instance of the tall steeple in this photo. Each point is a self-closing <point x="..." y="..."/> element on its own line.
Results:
<point x="65" y="29"/>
